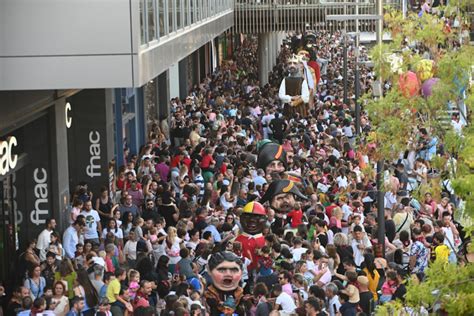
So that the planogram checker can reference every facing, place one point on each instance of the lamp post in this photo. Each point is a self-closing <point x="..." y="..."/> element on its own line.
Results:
<point x="380" y="164"/>
<point x="351" y="17"/>
<point x="345" y="68"/>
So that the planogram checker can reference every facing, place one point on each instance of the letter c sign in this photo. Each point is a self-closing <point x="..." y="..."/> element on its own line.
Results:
<point x="67" y="109"/>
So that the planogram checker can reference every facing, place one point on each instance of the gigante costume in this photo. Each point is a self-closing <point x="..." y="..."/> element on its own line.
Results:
<point x="294" y="92"/>
<point x="224" y="296"/>
<point x="253" y="220"/>
<point x="281" y="194"/>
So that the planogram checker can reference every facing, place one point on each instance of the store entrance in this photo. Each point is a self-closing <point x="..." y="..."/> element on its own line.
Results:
<point x="8" y="244"/>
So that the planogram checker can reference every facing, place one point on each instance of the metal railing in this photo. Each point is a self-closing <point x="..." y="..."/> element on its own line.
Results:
<point x="260" y="16"/>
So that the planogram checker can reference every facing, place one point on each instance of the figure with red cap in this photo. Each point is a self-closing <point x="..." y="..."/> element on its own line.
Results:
<point x="252" y="220"/>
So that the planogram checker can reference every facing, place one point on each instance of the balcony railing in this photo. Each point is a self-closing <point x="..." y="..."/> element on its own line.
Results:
<point x="163" y="18"/>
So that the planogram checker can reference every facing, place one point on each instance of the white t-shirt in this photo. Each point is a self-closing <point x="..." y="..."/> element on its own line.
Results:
<point x="342" y="182"/>
<point x="44" y="239"/>
<point x="346" y="213"/>
<point x="297" y="252"/>
<point x="286" y="302"/>
<point x="358" y="253"/>
<point x="92" y="218"/>
<point x="130" y="249"/>
<point x="334" y="305"/>
<point x="118" y="233"/>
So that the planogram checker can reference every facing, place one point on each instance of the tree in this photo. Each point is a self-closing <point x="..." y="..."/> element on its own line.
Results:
<point x="423" y="48"/>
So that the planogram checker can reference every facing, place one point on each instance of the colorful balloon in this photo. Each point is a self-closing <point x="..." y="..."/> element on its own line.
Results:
<point x="424" y="69"/>
<point x="409" y="84"/>
<point x="427" y="87"/>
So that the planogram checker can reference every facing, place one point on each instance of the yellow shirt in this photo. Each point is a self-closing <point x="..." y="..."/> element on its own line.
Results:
<point x="442" y="253"/>
<point x="113" y="289"/>
<point x="373" y="281"/>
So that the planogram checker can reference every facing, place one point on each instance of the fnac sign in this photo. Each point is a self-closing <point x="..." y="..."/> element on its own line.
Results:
<point x="8" y="160"/>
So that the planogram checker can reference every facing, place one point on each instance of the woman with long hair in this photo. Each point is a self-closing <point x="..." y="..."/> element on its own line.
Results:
<point x="127" y="224"/>
<point x="86" y="290"/>
<point x="368" y="266"/>
<point x="67" y="275"/>
<point x="35" y="282"/>
<point x="56" y="247"/>
<point x="173" y="247"/>
<point x="113" y="228"/>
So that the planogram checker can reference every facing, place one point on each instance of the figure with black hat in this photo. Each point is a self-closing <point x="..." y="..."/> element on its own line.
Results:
<point x="271" y="157"/>
<point x="282" y="195"/>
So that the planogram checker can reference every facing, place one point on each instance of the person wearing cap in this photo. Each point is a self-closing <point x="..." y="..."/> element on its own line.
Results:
<point x="271" y="158"/>
<point x="281" y="195"/>
<point x="224" y="295"/>
<point x="366" y="297"/>
<point x="252" y="220"/>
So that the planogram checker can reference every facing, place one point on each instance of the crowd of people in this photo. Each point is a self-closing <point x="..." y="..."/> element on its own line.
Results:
<point x="235" y="208"/>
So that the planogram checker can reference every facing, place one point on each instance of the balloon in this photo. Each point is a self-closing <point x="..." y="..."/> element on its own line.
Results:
<point x="427" y="86"/>
<point x="409" y="84"/>
<point x="424" y="69"/>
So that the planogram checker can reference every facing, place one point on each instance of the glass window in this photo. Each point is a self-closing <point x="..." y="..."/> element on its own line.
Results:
<point x="151" y="20"/>
<point x="186" y="12"/>
<point x="179" y="12"/>
<point x="161" y="17"/>
<point x="204" y="9"/>
<point x="171" y="13"/>
<point x="142" y="22"/>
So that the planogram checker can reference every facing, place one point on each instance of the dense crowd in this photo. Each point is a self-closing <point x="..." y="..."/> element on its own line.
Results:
<point x="185" y="204"/>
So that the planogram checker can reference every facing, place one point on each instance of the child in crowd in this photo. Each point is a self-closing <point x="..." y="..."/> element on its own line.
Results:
<point x="296" y="216"/>
<point x="265" y="262"/>
<point x="389" y="287"/>
<point x="134" y="283"/>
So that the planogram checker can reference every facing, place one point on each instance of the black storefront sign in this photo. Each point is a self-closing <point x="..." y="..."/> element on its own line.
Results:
<point x="31" y="185"/>
<point x="87" y="140"/>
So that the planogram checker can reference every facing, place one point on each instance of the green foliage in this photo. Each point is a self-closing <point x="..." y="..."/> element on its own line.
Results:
<point x="449" y="285"/>
<point x="395" y="118"/>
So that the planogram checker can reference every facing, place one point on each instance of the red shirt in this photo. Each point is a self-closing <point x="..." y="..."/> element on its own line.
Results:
<point x="206" y="161"/>
<point x="175" y="161"/>
<point x="223" y="168"/>
<point x="329" y="209"/>
<point x="296" y="218"/>
<point x="249" y="248"/>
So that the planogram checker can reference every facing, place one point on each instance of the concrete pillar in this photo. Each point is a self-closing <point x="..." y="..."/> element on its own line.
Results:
<point x="59" y="161"/>
<point x="275" y="45"/>
<point x="174" y="81"/>
<point x="263" y="58"/>
<point x="270" y="51"/>
<point x="183" y="77"/>
<point x="163" y="95"/>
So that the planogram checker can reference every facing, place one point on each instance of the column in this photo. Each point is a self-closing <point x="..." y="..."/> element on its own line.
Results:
<point x="163" y="95"/>
<point x="62" y="120"/>
<point x="263" y="58"/>
<point x="174" y="80"/>
<point x="183" y="78"/>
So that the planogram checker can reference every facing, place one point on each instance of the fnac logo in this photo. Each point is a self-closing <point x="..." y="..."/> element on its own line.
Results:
<point x="8" y="160"/>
